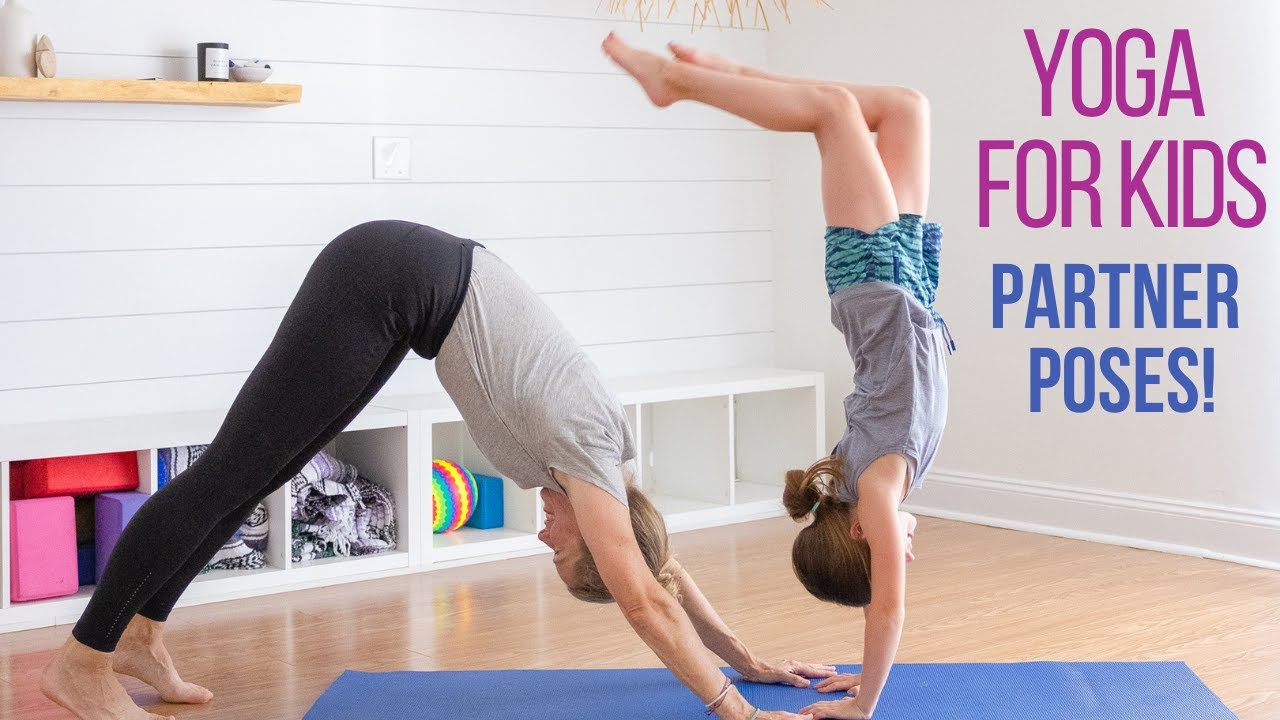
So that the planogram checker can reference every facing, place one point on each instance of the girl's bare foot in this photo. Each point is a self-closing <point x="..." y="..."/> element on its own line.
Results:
<point x="80" y="679"/>
<point x="142" y="654"/>
<point x="655" y="74"/>
<point x="702" y="58"/>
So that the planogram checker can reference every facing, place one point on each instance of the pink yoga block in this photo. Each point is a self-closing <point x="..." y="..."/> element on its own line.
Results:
<point x="42" y="537"/>
<point x="74" y="475"/>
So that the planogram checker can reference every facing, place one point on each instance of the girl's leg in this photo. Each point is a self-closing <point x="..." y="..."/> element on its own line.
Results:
<point x="855" y="186"/>
<point x="901" y="124"/>
<point x="899" y="116"/>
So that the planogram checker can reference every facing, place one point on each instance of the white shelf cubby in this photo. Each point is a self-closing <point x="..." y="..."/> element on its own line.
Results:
<point x="686" y="458"/>
<point x="521" y="509"/>
<point x="712" y="449"/>
<point x="775" y="431"/>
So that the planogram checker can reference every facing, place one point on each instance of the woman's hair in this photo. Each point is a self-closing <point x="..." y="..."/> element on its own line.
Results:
<point x="830" y="564"/>
<point x="651" y="535"/>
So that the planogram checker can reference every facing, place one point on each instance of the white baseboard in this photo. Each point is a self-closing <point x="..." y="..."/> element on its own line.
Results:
<point x="1235" y="535"/>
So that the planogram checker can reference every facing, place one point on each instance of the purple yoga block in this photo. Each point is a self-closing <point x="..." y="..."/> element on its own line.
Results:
<point x="42" y="534"/>
<point x="113" y="511"/>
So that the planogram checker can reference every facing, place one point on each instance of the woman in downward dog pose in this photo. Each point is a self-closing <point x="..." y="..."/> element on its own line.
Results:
<point x="534" y="403"/>
<point x="882" y="276"/>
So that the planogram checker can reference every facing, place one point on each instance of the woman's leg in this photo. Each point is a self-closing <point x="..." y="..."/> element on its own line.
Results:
<point x="855" y="187"/>
<point x="342" y="336"/>
<point x="899" y="116"/>
<point x="337" y="336"/>
<point x="141" y="652"/>
<point x="162" y="602"/>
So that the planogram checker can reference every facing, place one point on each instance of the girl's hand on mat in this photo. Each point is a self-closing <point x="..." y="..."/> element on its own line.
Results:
<point x="788" y="672"/>
<point x="840" y="683"/>
<point x="846" y="709"/>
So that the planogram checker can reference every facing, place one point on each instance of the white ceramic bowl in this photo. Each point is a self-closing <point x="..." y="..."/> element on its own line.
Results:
<point x="254" y="71"/>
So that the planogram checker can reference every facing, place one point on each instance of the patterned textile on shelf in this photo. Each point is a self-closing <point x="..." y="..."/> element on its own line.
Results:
<point x="337" y="512"/>
<point x="246" y="550"/>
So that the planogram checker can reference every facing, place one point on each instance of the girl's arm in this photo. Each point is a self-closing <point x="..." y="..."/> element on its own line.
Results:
<point x="882" y="528"/>
<point x="878" y="513"/>
<point x="719" y="639"/>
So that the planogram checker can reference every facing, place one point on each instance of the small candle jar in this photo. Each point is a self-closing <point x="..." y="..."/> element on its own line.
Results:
<point x="213" y="62"/>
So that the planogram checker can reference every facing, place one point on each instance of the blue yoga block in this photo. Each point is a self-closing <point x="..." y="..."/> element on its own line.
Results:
<point x="88" y="557"/>
<point x="488" y="512"/>
<point x="162" y="468"/>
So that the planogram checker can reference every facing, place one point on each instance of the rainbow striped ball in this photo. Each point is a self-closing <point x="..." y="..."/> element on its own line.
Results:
<point x="453" y="496"/>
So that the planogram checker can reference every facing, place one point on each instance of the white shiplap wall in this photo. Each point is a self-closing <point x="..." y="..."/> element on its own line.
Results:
<point x="147" y="253"/>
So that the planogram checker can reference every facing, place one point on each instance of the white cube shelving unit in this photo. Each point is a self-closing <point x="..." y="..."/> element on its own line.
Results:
<point x="713" y="446"/>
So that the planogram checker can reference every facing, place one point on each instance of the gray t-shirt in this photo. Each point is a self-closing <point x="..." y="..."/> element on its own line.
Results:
<point x="531" y="397"/>
<point x="899" y="402"/>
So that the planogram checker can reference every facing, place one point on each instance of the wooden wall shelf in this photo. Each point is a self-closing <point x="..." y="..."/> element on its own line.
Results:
<point x="149" y="91"/>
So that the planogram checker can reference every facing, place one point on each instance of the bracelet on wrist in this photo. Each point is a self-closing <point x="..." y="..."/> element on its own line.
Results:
<point x="724" y="693"/>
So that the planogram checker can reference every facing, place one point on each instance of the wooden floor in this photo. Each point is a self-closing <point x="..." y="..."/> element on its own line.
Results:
<point x="975" y="594"/>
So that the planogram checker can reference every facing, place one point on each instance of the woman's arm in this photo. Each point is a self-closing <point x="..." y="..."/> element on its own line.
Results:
<point x="719" y="639"/>
<point x="655" y="616"/>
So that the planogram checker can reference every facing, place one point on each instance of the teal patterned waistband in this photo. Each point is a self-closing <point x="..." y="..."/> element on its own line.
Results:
<point x="905" y="252"/>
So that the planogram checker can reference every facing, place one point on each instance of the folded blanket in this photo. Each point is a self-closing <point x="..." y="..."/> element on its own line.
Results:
<point x="338" y="512"/>
<point x="376" y="524"/>
<point x="247" y="547"/>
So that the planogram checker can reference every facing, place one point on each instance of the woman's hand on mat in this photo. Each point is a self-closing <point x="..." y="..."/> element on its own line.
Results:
<point x="787" y="672"/>
<point x="840" y="683"/>
<point x="846" y="709"/>
<point x="779" y="715"/>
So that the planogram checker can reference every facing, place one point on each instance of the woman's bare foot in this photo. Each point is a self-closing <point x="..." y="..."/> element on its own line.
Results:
<point x="141" y="654"/>
<point x="654" y="73"/>
<point x="80" y="679"/>
<point x="702" y="58"/>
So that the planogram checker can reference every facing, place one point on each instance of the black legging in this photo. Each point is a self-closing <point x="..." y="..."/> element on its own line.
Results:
<point x="374" y="293"/>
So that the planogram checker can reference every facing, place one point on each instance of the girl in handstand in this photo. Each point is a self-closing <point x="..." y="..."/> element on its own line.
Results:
<point x="882" y="276"/>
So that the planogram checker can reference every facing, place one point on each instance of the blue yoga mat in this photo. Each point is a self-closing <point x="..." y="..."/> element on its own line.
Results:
<point x="1012" y="691"/>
